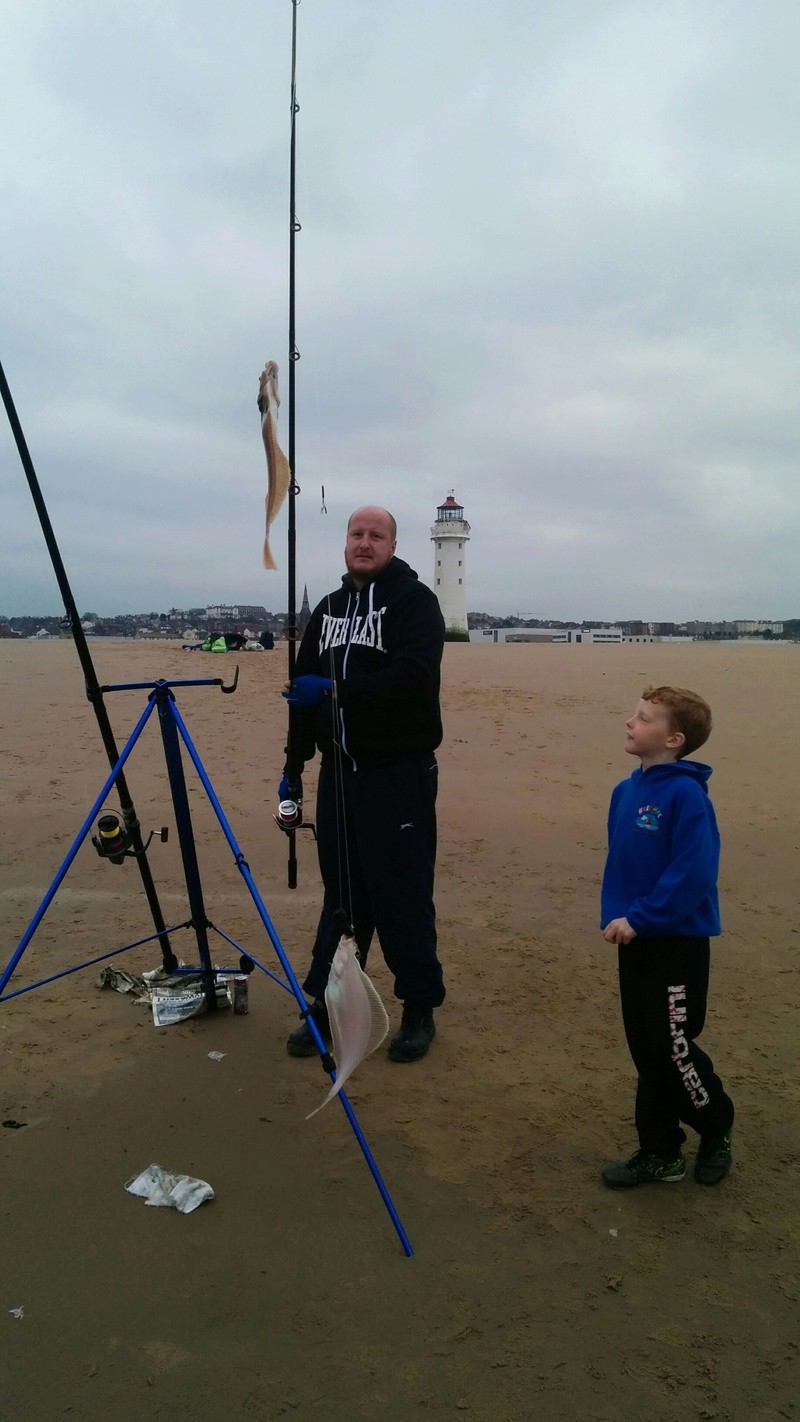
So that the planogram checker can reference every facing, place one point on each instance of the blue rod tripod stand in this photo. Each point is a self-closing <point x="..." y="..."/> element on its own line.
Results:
<point x="173" y="731"/>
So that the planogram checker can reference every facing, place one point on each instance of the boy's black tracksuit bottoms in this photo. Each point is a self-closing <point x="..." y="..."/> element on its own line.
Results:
<point x="376" y="842"/>
<point x="663" y="991"/>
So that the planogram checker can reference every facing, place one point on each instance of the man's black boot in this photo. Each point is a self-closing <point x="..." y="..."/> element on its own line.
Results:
<point x="417" y="1031"/>
<point x="301" y="1043"/>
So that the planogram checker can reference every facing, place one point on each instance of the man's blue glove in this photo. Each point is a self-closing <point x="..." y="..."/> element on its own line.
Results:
<point x="308" y="690"/>
<point x="290" y="789"/>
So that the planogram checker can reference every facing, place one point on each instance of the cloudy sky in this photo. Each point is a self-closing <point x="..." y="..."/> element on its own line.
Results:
<point x="549" y="259"/>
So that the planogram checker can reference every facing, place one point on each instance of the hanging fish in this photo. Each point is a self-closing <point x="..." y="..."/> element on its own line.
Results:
<point x="277" y="463"/>
<point x="358" y="1018"/>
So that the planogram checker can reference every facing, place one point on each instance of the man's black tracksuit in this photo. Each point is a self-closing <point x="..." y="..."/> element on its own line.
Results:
<point x="376" y="803"/>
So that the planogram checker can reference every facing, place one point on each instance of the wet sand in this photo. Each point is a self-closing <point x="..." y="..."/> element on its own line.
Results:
<point x="533" y="1292"/>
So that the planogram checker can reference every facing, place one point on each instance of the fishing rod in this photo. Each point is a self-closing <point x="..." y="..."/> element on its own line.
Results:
<point x="294" y="489"/>
<point x="282" y="480"/>
<point x="93" y="691"/>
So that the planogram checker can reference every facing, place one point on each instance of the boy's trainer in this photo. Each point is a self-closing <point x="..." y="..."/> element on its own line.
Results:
<point x="714" y="1159"/>
<point x="643" y="1169"/>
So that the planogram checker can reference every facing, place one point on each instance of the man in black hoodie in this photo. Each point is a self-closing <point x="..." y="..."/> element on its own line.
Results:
<point x="366" y="693"/>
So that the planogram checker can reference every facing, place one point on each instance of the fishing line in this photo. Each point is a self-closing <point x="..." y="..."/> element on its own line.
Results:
<point x="342" y="838"/>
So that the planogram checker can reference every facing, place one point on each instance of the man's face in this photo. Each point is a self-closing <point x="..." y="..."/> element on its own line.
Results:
<point x="370" y="544"/>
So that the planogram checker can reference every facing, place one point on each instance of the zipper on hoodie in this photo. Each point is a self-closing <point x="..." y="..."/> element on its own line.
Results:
<point x="370" y="601"/>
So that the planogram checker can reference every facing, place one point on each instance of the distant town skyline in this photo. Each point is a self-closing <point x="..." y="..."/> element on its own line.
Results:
<point x="256" y="615"/>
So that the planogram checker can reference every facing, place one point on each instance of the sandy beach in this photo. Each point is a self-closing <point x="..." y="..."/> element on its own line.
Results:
<point x="533" y="1291"/>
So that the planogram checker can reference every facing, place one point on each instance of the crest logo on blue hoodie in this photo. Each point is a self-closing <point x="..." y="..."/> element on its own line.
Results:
<point x="648" y="817"/>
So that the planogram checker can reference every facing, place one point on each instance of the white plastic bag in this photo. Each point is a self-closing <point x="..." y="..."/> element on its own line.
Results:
<point x="157" y="1186"/>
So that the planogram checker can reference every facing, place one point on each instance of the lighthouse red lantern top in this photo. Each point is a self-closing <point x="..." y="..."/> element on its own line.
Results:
<point x="449" y="509"/>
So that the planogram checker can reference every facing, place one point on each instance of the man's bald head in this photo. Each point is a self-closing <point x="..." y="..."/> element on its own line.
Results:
<point x="371" y="541"/>
<point x="371" y="511"/>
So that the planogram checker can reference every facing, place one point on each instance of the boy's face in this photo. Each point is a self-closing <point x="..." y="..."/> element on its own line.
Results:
<point x="650" y="736"/>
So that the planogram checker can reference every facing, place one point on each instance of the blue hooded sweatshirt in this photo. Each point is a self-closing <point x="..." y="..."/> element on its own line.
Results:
<point x="663" y="852"/>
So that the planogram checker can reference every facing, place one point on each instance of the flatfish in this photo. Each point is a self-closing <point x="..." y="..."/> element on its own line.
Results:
<point x="358" y="1018"/>
<point x="279" y="473"/>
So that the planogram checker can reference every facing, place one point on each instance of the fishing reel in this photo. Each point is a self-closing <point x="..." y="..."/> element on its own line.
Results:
<point x="290" y="817"/>
<point x="113" y="840"/>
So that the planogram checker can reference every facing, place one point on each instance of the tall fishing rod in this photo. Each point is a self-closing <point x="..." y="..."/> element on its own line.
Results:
<point x="93" y="690"/>
<point x="294" y="489"/>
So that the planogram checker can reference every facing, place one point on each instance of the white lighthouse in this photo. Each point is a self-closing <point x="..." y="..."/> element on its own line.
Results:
<point x="450" y="535"/>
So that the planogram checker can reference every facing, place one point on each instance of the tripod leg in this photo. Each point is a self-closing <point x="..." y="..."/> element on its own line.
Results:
<point x="295" y="987"/>
<point x="80" y="837"/>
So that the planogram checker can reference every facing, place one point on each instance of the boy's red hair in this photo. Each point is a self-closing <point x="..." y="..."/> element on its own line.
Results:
<point x="688" y="713"/>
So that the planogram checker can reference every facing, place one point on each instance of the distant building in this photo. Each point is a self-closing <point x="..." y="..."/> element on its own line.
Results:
<point x="599" y="636"/>
<point x="304" y="615"/>
<point x="514" y="634"/>
<point x="591" y="634"/>
<point x="758" y="627"/>
<point x="236" y="612"/>
<point x="704" y="631"/>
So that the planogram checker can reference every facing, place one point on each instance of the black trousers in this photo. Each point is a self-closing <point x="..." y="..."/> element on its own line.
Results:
<point x="663" y="991"/>
<point x="377" y="855"/>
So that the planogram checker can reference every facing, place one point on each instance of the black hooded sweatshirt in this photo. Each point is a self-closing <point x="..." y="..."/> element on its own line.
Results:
<point x="382" y="645"/>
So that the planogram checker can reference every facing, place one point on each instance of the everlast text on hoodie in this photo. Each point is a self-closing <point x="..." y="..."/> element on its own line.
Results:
<point x="382" y="644"/>
<point x="663" y="852"/>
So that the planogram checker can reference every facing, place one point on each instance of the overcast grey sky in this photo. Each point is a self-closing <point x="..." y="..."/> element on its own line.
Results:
<point x="549" y="259"/>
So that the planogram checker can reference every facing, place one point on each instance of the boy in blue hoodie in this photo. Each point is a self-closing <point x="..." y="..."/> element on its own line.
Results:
<point x="659" y="904"/>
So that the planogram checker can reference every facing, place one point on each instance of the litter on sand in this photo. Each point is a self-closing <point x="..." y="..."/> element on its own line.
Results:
<point x="174" y="997"/>
<point x="216" y="1056"/>
<point x="121" y="981"/>
<point x="176" y="1002"/>
<point x="157" y="1186"/>
<point x="18" y="1312"/>
<point x="171" y="1004"/>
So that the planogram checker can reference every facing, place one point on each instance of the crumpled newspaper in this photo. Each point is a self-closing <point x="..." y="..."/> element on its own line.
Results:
<point x="121" y="981"/>
<point x="140" y="985"/>
<point x="174" y="997"/>
<point x="157" y="1186"/>
<point x="176" y="1003"/>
